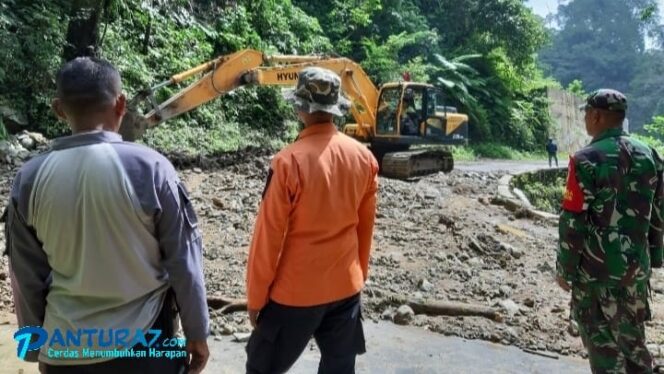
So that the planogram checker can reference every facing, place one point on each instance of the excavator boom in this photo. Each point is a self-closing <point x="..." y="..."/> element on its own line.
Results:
<point x="250" y="67"/>
<point x="227" y="73"/>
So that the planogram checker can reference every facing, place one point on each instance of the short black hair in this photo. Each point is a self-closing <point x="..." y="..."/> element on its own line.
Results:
<point x="87" y="84"/>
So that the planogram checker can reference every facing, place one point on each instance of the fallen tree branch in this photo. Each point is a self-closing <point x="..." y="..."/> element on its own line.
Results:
<point x="443" y="308"/>
<point x="430" y="308"/>
<point x="226" y="305"/>
<point x="447" y="308"/>
<point x="541" y="353"/>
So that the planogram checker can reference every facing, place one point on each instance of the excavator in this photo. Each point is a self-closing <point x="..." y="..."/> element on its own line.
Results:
<point x="390" y="119"/>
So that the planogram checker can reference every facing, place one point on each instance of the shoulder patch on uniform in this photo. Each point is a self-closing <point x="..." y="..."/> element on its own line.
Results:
<point x="573" y="196"/>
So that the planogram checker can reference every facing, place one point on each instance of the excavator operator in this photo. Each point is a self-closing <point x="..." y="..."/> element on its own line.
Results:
<point x="410" y="117"/>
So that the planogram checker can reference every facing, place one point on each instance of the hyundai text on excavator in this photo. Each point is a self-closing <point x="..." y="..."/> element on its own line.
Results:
<point x="390" y="119"/>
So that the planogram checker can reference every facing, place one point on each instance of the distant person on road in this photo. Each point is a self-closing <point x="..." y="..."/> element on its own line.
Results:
<point x="552" y="150"/>
<point x="611" y="237"/>
<point x="101" y="235"/>
<point x="309" y="257"/>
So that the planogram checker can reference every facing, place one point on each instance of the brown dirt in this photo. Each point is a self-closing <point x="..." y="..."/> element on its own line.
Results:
<point x="439" y="230"/>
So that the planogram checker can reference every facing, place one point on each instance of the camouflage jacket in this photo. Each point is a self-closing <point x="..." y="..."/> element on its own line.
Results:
<point x="611" y="224"/>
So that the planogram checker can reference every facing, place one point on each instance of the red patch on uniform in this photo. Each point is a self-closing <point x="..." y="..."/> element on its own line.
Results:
<point x="573" y="197"/>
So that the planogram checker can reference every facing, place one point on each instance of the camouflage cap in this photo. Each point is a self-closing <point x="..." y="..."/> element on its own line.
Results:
<point x="606" y="99"/>
<point x="318" y="90"/>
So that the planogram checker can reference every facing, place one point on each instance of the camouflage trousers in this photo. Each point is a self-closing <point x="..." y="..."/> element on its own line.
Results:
<point x="611" y="325"/>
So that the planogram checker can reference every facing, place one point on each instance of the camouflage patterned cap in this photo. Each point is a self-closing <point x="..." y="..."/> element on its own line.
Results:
<point x="318" y="90"/>
<point x="606" y="99"/>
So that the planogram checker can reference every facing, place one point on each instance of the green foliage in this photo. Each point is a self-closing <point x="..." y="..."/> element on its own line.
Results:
<point x="543" y="190"/>
<point x="501" y="151"/>
<point x="576" y="87"/>
<point x="586" y="47"/>
<point x="488" y="71"/>
<point x="382" y="59"/>
<point x="221" y="137"/>
<point x="31" y="40"/>
<point x="602" y="43"/>
<point x="463" y="153"/>
<point x="654" y="134"/>
<point x="646" y="96"/>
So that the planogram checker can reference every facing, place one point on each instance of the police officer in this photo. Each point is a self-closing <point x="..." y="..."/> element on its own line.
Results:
<point x="611" y="237"/>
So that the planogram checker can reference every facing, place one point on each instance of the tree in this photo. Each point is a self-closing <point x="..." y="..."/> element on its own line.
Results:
<point x="83" y="29"/>
<point x="646" y="94"/>
<point x="599" y="42"/>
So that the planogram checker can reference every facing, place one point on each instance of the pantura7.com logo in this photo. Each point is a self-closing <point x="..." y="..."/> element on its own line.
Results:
<point x="98" y="343"/>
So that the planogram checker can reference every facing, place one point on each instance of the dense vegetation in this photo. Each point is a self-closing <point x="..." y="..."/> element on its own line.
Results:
<point x="611" y="43"/>
<point x="544" y="190"/>
<point x="482" y="53"/>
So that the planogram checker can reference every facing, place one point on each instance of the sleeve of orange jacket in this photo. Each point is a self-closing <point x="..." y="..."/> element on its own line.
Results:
<point x="367" y="217"/>
<point x="271" y="223"/>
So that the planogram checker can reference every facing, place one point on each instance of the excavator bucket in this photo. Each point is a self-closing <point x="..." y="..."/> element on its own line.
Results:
<point x="134" y="123"/>
<point x="133" y="126"/>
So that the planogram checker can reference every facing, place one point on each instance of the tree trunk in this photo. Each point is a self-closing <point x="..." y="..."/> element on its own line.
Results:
<point x="83" y="28"/>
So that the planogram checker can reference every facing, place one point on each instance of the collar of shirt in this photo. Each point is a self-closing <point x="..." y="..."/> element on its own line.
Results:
<point x="86" y="138"/>
<point x="318" y="128"/>
<point x="609" y="133"/>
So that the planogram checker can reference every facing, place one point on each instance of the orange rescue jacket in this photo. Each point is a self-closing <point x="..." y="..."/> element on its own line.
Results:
<point x="314" y="228"/>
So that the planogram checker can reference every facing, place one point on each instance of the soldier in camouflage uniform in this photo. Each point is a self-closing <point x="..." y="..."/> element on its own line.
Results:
<point x="610" y="237"/>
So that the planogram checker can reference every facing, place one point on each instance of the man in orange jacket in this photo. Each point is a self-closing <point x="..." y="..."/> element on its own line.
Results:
<point x="309" y="256"/>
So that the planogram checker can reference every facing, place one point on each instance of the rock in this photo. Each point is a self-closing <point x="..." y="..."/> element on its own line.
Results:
<point x="198" y="170"/>
<point x="217" y="202"/>
<point x="474" y="245"/>
<point x="38" y="138"/>
<point x="516" y="252"/>
<point x="573" y="328"/>
<point x="425" y="285"/>
<point x="388" y="314"/>
<point x="475" y="262"/>
<point x="509" y="306"/>
<point x="557" y="309"/>
<point x="529" y="302"/>
<point x="505" y="290"/>
<point x="227" y="329"/>
<point x="446" y="221"/>
<point x="241" y="337"/>
<point x="27" y="142"/>
<point x="404" y="315"/>
<point x="545" y="267"/>
<point x="653" y="349"/>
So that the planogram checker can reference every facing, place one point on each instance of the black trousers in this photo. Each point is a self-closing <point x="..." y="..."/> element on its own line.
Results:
<point x="554" y="157"/>
<point x="147" y="365"/>
<point x="283" y="333"/>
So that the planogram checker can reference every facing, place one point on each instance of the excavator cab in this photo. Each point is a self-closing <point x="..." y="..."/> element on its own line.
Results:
<point x="407" y="114"/>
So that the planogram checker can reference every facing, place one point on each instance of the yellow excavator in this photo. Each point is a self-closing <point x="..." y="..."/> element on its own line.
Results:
<point x="390" y="119"/>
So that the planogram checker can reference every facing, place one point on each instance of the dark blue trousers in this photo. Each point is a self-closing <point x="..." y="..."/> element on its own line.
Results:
<point x="283" y="333"/>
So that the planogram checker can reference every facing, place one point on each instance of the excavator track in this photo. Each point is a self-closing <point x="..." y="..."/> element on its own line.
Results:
<point x="409" y="164"/>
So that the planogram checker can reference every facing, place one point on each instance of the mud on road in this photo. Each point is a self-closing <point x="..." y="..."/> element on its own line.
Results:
<point x="436" y="238"/>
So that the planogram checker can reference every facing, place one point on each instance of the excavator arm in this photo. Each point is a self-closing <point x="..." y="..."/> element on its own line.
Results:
<point x="247" y="67"/>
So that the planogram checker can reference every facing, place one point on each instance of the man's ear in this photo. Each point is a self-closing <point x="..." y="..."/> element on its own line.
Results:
<point x="56" y="106"/>
<point x="121" y="105"/>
